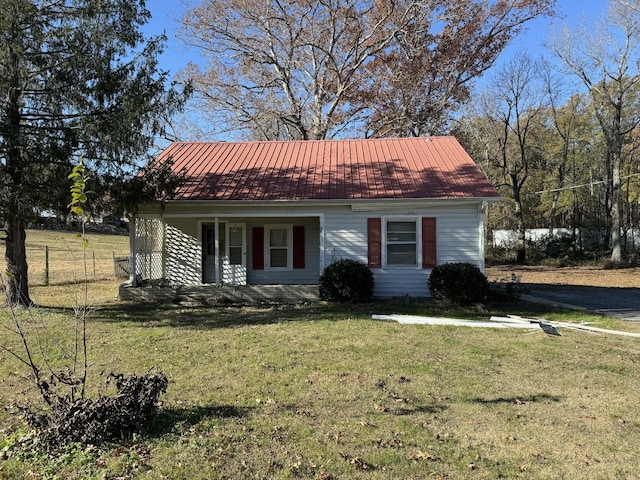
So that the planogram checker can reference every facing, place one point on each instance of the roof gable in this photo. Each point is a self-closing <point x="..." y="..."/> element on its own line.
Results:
<point x="399" y="168"/>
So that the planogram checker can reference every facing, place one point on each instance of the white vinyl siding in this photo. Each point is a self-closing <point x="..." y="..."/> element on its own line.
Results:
<point x="458" y="239"/>
<point x="344" y="235"/>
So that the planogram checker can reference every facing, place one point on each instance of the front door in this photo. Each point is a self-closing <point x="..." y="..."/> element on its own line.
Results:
<point x="234" y="264"/>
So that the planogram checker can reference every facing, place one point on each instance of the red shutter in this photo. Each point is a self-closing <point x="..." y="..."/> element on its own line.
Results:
<point x="429" y="242"/>
<point x="298" y="247"/>
<point x="258" y="248"/>
<point x="374" y="242"/>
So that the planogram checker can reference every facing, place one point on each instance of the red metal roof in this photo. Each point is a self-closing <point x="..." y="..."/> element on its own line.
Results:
<point x="409" y="168"/>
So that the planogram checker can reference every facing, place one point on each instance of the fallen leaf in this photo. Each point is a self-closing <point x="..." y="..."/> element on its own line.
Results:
<point x="423" y="456"/>
<point x="360" y="464"/>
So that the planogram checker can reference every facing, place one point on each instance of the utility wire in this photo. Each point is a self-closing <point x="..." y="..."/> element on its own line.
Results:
<point x="590" y="184"/>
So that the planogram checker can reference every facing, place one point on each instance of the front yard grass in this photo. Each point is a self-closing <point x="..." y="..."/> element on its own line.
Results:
<point x="324" y="392"/>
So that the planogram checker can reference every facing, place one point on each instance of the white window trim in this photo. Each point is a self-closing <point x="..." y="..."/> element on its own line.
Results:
<point x="267" y="247"/>
<point x="411" y="218"/>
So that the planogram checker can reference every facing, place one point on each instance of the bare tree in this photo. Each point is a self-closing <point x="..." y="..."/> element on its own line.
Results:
<point x="412" y="88"/>
<point x="566" y="124"/>
<point x="606" y="62"/>
<point x="311" y="69"/>
<point x="282" y="69"/>
<point x="509" y="112"/>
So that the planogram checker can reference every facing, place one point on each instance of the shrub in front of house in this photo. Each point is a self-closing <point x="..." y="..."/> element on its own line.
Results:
<point x="460" y="283"/>
<point x="346" y="280"/>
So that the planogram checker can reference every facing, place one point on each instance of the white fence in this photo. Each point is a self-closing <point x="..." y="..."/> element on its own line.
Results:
<point x="589" y="238"/>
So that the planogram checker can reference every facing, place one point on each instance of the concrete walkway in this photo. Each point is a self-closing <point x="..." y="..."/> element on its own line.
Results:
<point x="622" y="303"/>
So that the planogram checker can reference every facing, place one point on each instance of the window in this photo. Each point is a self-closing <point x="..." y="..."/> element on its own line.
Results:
<point x="402" y="242"/>
<point x="278" y="246"/>
<point x="407" y="241"/>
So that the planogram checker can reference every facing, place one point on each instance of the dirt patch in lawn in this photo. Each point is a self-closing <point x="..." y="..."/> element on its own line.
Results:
<point x="585" y="275"/>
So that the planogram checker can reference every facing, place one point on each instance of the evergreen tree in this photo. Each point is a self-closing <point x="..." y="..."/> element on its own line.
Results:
<point x="77" y="78"/>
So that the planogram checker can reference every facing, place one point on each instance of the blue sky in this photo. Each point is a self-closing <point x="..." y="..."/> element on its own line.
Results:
<point x="166" y="16"/>
<point x="572" y="12"/>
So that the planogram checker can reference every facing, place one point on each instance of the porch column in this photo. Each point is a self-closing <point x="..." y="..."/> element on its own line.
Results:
<point x="216" y="250"/>
<point x="163" y="251"/>
<point x="321" y="220"/>
<point x="133" y="266"/>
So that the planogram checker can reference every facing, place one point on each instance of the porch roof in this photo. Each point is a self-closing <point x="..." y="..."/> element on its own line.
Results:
<point x="390" y="168"/>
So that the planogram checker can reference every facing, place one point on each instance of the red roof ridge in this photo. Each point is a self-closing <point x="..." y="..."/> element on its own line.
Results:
<point x="325" y="140"/>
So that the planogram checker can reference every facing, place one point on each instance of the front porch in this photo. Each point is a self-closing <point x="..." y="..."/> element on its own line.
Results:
<point x="211" y="295"/>
<point x="234" y="250"/>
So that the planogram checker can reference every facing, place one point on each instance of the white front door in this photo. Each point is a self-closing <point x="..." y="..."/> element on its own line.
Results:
<point x="234" y="264"/>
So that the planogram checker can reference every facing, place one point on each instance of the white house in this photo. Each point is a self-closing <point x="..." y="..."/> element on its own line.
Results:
<point x="277" y="213"/>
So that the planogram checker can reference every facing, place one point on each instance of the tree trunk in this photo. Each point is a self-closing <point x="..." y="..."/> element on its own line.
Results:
<point x="552" y="214"/>
<point x="17" y="292"/>
<point x="559" y="185"/>
<point x="521" y="256"/>
<point x="616" y="187"/>
<point x="614" y="147"/>
<point x="17" y="289"/>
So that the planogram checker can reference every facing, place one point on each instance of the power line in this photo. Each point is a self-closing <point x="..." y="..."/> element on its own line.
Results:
<point x="590" y="184"/>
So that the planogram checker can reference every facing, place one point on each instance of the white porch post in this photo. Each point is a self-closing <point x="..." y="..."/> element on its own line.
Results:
<point x="216" y="252"/>
<point x="322" y="234"/>
<point x="163" y="246"/>
<point x="132" y="252"/>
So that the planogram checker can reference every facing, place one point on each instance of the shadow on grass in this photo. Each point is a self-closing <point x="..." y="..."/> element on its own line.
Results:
<point x="540" y="397"/>
<point x="208" y="318"/>
<point x="429" y="409"/>
<point x="220" y="317"/>
<point x="171" y="419"/>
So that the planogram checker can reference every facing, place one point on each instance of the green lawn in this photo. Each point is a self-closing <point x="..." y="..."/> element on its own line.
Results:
<point x="324" y="392"/>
